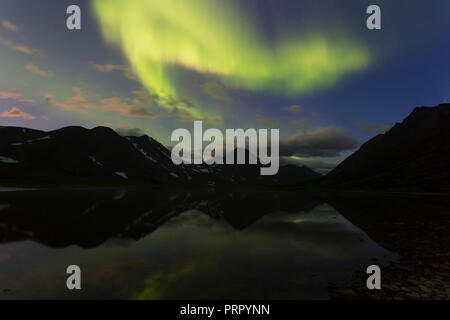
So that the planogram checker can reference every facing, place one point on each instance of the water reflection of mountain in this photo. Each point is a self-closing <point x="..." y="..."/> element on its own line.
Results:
<point x="59" y="218"/>
<point x="406" y="224"/>
<point x="296" y="243"/>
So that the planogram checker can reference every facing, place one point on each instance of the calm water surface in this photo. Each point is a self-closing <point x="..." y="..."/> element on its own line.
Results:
<point x="162" y="245"/>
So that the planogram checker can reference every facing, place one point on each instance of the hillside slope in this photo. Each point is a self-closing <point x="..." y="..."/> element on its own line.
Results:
<point x="413" y="155"/>
<point x="100" y="156"/>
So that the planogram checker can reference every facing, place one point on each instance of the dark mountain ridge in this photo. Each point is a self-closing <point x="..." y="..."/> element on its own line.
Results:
<point x="100" y="156"/>
<point x="412" y="155"/>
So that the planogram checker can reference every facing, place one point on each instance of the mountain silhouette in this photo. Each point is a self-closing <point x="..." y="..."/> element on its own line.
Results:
<point x="99" y="156"/>
<point x="413" y="155"/>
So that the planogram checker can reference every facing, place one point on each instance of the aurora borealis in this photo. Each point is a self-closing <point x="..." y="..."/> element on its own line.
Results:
<point x="198" y="35"/>
<point x="310" y="68"/>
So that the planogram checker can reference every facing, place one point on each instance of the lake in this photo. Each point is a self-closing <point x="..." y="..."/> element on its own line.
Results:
<point x="162" y="244"/>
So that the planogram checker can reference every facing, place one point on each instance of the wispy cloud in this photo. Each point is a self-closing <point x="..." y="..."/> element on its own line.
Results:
<point x="10" y="94"/>
<point x="20" y="47"/>
<point x="10" y="26"/>
<point x="14" y="94"/>
<point x="267" y="122"/>
<point x="113" y="67"/>
<point x="300" y="124"/>
<point x="373" y="127"/>
<point x="106" y="67"/>
<point x="178" y="106"/>
<point x="26" y="100"/>
<point x="322" y="142"/>
<point x="185" y="115"/>
<point x="294" y="108"/>
<point x="216" y="91"/>
<point x="15" y="112"/>
<point x="126" y="106"/>
<point x="35" y="69"/>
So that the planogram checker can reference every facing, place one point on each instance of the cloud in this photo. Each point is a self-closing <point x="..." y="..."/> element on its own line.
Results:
<point x="216" y="91"/>
<point x="294" y="108"/>
<point x="373" y="127"/>
<point x="14" y="94"/>
<point x="183" y="109"/>
<point x="20" y="47"/>
<point x="267" y="122"/>
<point x="130" y="132"/>
<point x="317" y="165"/>
<point x="113" y="67"/>
<point x="126" y="106"/>
<point x="48" y="97"/>
<point x="185" y="115"/>
<point x="10" y="26"/>
<point x="10" y="94"/>
<point x="34" y="69"/>
<point x="15" y="112"/>
<point x="26" y="100"/>
<point x="300" y="125"/>
<point x="106" y="67"/>
<point x="325" y="141"/>
<point x="77" y="103"/>
<point x="179" y="107"/>
<point x="143" y="96"/>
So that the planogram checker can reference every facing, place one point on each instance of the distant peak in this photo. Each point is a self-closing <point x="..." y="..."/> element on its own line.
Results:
<point x="431" y="108"/>
<point x="104" y="129"/>
<point x="70" y="129"/>
<point x="145" y="136"/>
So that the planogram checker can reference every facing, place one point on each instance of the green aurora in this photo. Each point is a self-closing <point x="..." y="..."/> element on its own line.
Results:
<point x="204" y="36"/>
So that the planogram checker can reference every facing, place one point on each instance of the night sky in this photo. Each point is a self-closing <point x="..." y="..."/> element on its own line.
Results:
<point x="310" y="68"/>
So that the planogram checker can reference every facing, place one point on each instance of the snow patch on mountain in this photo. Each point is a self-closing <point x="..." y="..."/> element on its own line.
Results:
<point x="95" y="161"/>
<point x="39" y="139"/>
<point x="141" y="150"/>
<point x="8" y="160"/>
<point x="121" y="174"/>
